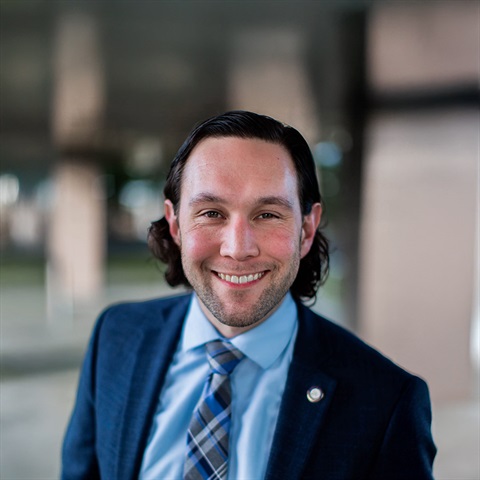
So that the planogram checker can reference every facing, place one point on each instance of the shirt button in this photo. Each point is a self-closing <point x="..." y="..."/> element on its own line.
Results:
<point x="315" y="394"/>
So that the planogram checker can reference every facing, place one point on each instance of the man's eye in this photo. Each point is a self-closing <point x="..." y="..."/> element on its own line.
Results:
<point x="211" y="214"/>
<point x="267" y="215"/>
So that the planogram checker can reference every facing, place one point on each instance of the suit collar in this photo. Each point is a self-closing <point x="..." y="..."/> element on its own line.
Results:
<point x="300" y="419"/>
<point x="151" y="353"/>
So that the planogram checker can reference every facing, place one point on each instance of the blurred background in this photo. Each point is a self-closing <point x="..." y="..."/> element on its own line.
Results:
<point x="95" y="99"/>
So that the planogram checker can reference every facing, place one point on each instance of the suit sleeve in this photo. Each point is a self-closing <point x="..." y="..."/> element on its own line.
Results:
<point x="407" y="450"/>
<point x="79" y="460"/>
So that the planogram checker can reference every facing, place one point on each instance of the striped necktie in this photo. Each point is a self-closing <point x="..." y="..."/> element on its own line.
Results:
<point x="207" y="438"/>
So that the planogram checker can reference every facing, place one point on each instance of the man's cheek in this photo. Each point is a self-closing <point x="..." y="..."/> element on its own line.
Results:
<point x="197" y="245"/>
<point x="280" y="246"/>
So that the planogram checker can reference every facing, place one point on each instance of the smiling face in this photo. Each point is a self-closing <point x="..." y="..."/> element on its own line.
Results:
<point x="240" y="229"/>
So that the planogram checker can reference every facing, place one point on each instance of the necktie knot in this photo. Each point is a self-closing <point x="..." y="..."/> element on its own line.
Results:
<point x="223" y="357"/>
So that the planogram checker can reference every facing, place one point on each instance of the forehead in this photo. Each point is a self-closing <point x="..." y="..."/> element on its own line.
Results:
<point x="240" y="163"/>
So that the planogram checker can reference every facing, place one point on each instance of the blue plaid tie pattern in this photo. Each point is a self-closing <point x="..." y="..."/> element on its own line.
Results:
<point x="207" y="438"/>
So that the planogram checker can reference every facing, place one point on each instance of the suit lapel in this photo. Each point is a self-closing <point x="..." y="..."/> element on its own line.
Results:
<point x="152" y="353"/>
<point x="300" y="419"/>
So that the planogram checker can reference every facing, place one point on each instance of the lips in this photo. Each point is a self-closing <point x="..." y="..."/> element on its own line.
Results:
<point x="240" y="279"/>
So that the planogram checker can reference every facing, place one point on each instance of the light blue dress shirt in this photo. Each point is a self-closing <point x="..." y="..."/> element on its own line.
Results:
<point x="257" y="386"/>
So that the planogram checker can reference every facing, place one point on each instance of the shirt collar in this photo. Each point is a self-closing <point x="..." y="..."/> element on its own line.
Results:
<point x="262" y="344"/>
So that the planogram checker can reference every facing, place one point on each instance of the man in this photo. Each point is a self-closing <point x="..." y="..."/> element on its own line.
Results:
<point x="297" y="397"/>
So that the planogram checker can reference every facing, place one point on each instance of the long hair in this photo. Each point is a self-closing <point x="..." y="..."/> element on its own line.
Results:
<point x="314" y="266"/>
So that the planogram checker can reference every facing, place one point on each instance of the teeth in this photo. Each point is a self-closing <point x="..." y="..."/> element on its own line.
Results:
<point x="242" y="279"/>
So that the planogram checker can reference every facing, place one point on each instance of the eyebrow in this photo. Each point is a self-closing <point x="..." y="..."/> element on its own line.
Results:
<point x="275" y="200"/>
<point x="268" y="200"/>
<point x="205" y="198"/>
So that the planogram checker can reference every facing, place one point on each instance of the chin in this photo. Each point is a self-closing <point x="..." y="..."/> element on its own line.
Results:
<point x="237" y="321"/>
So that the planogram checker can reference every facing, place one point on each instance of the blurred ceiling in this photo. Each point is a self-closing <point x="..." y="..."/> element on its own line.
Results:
<point x="164" y="63"/>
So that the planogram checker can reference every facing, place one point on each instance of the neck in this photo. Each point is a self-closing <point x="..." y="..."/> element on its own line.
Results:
<point x="230" y="331"/>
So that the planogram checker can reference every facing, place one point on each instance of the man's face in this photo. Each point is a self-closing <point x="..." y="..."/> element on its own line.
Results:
<point x="240" y="229"/>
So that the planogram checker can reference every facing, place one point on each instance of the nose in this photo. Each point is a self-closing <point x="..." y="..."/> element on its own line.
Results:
<point x="239" y="240"/>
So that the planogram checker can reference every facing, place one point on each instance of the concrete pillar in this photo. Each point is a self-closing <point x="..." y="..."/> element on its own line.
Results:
<point x="418" y="237"/>
<point x="267" y="75"/>
<point x="77" y="231"/>
<point x="78" y="97"/>
<point x="418" y="244"/>
<point x="423" y="45"/>
<point x="76" y="244"/>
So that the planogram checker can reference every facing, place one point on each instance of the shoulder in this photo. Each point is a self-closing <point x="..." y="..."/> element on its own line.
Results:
<point x="142" y="315"/>
<point x="345" y="356"/>
<point x="161" y="306"/>
<point x="376" y="407"/>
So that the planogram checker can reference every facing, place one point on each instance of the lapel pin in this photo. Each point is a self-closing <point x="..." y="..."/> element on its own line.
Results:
<point x="315" y="394"/>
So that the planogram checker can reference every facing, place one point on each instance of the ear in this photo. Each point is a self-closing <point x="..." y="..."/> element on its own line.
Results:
<point x="172" y="220"/>
<point x="309" y="228"/>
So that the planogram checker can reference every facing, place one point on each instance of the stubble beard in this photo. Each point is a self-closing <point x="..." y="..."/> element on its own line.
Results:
<point x="269" y="299"/>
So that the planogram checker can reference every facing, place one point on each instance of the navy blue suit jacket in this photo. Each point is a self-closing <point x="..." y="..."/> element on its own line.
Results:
<point x="373" y="422"/>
